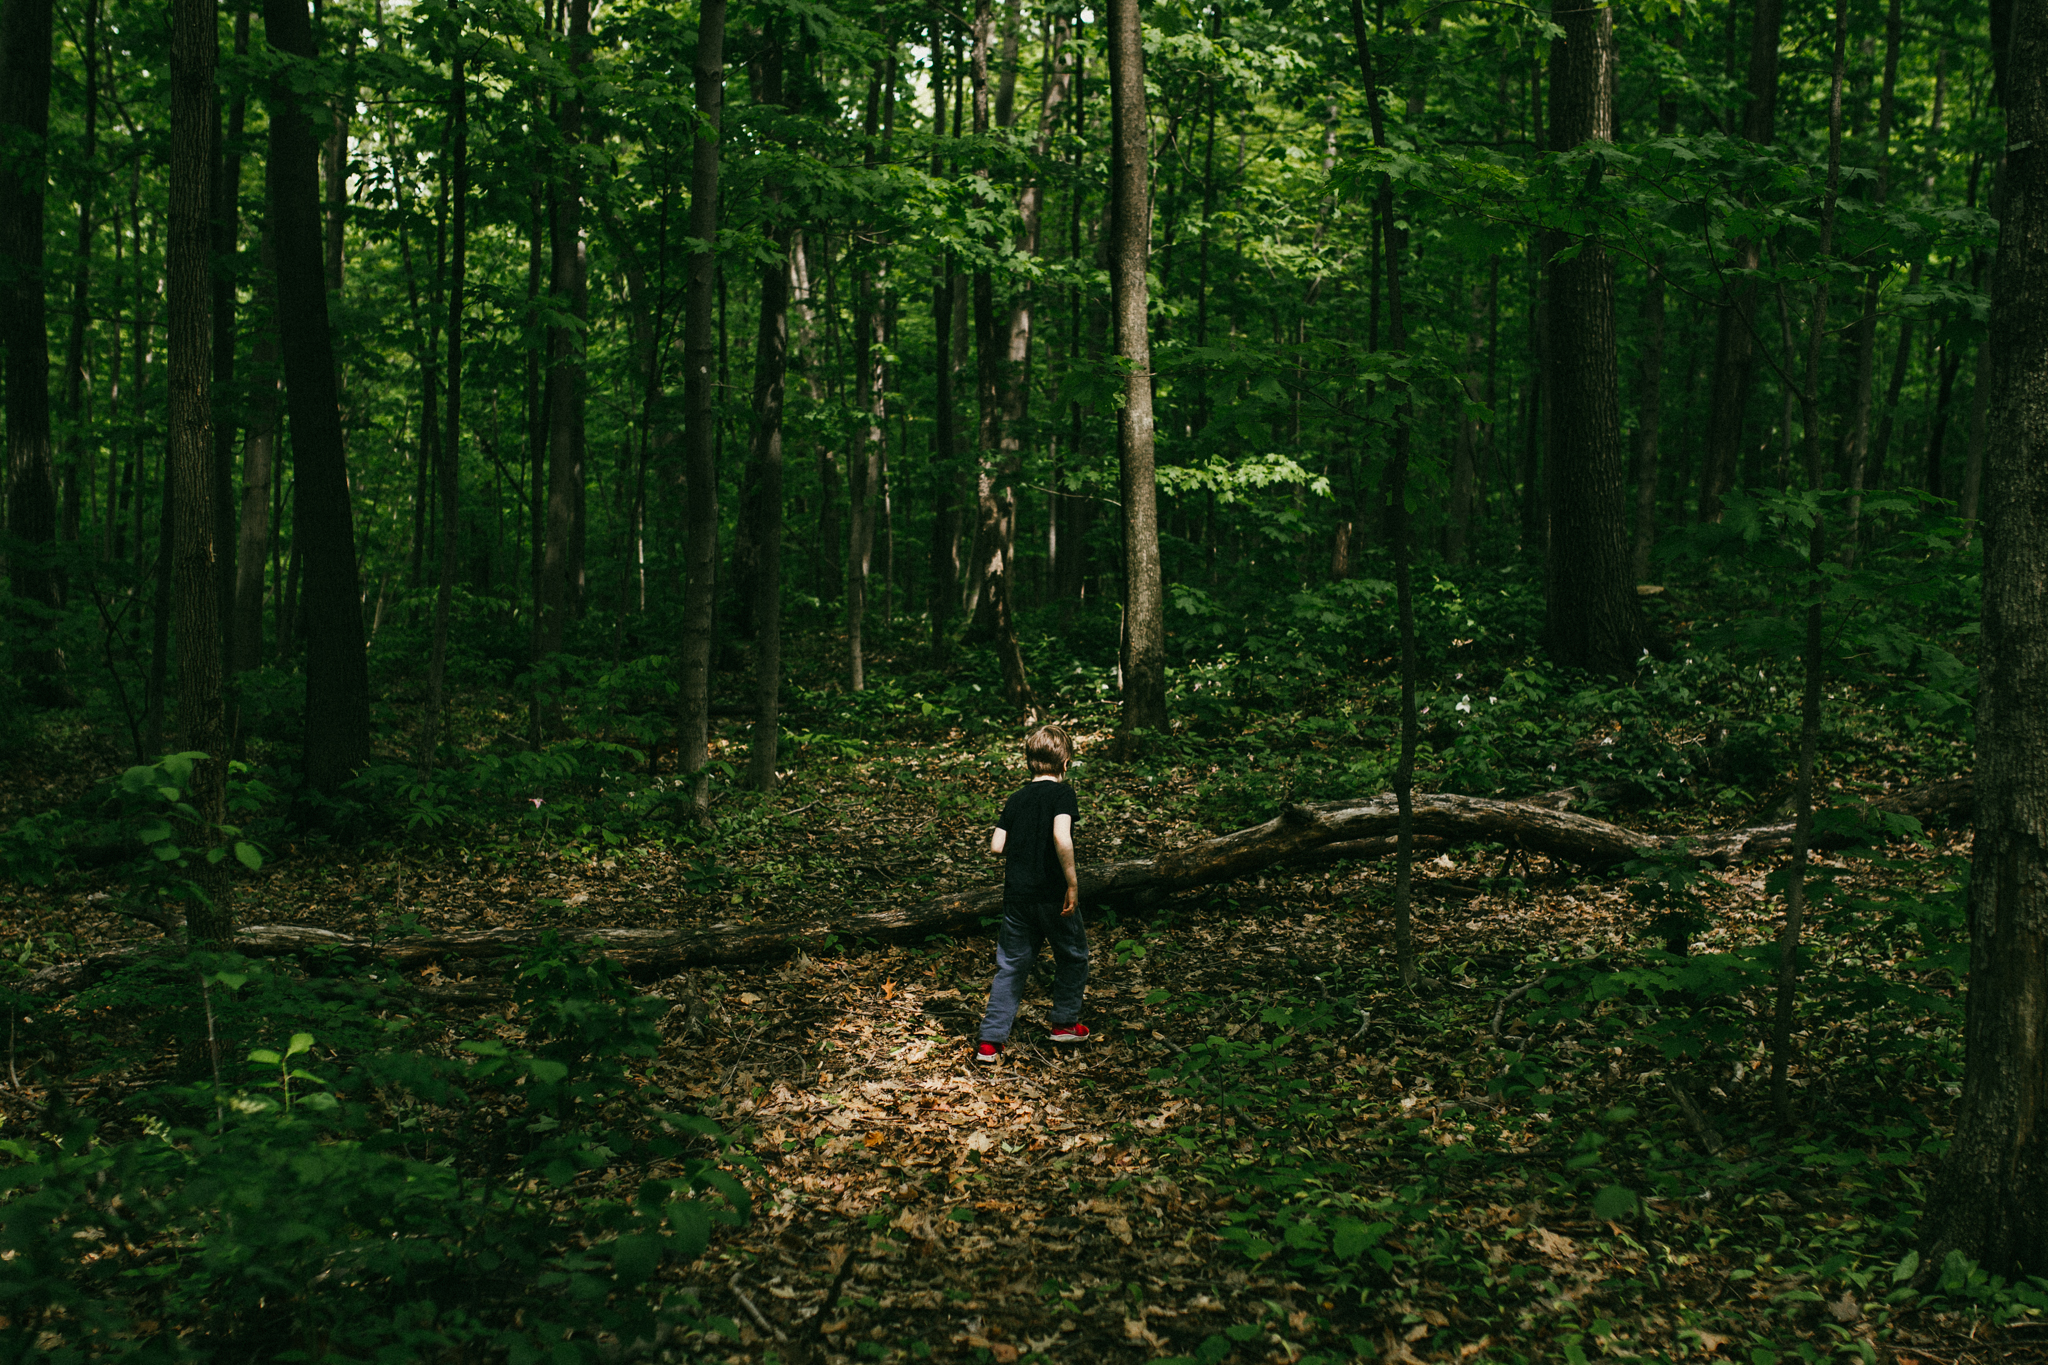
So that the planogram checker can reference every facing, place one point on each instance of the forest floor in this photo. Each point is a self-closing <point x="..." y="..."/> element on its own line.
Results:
<point x="1258" y="1081"/>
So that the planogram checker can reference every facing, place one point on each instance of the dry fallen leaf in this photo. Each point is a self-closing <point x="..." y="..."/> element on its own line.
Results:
<point x="1712" y="1342"/>
<point x="978" y="1141"/>
<point x="1845" y="1309"/>
<point x="1553" y="1246"/>
<point x="1003" y="1351"/>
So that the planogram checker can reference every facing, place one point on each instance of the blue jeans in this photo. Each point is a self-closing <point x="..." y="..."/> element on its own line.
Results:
<point x="1026" y="924"/>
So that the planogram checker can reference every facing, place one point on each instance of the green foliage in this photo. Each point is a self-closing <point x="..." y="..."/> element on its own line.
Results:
<point x="360" y="1201"/>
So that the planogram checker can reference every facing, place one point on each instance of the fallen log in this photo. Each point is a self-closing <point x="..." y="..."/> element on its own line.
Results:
<point x="1321" y="832"/>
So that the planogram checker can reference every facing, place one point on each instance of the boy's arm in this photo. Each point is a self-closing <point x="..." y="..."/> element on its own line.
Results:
<point x="997" y="840"/>
<point x="1063" y="845"/>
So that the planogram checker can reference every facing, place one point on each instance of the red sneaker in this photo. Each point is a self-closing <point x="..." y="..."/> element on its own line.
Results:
<point x="1070" y="1033"/>
<point x="988" y="1052"/>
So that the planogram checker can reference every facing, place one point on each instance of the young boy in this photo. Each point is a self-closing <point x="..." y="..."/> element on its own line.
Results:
<point x="1041" y="896"/>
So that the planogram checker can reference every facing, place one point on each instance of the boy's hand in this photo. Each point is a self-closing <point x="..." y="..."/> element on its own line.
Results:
<point x="1072" y="902"/>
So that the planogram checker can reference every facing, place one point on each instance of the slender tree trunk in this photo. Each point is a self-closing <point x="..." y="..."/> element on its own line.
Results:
<point x="870" y="350"/>
<point x="1951" y="361"/>
<point x="337" y="676"/>
<point x="81" y="281"/>
<point x="1593" y="618"/>
<point x="1395" y="242"/>
<point x="1734" y="348"/>
<point x="1144" y="633"/>
<point x="451" y="442"/>
<point x="1990" y="1201"/>
<point x="227" y="235"/>
<point x="259" y="457"/>
<point x="700" y="428"/>
<point x="1650" y="398"/>
<point x="771" y="365"/>
<point x="1980" y="436"/>
<point x="202" y="715"/>
<point x="1866" y="323"/>
<point x="31" y="479"/>
<point x="944" y="567"/>
<point x="334" y="165"/>
<point x="567" y="358"/>
<point x="1816" y="559"/>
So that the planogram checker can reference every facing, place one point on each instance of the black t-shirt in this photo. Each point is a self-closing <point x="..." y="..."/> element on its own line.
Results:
<point x="1031" y="865"/>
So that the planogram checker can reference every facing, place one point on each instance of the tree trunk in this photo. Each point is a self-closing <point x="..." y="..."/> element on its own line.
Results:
<point x="870" y="350"/>
<point x="31" y="479"/>
<point x="337" y="677"/>
<point x="1990" y="1201"/>
<point x="1593" y="618"/>
<point x="1650" y="398"/>
<point x="1866" y="323"/>
<point x="1734" y="348"/>
<point x="259" y="458"/>
<point x="561" y="571"/>
<point x="1144" y="631"/>
<point x="1980" y="436"/>
<point x="227" y="234"/>
<point x="451" y="442"/>
<point x="700" y="429"/>
<point x="202" y="715"/>
<point x="1816" y="558"/>
<point x="1315" y="834"/>
<point x="81" y="282"/>
<point x="944" y="567"/>
<point x="771" y="366"/>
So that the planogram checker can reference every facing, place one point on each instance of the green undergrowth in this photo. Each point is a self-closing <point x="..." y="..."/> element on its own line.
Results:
<point x="1572" y="1158"/>
<point x="339" y="1177"/>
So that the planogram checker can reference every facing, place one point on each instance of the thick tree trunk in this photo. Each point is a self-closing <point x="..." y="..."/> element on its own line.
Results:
<point x="1318" y="834"/>
<point x="1593" y="618"/>
<point x="1990" y="1201"/>
<point x="337" y="676"/>
<point x="451" y="441"/>
<point x="31" y="477"/>
<point x="1144" y="634"/>
<point x="700" y="428"/>
<point x="202" y="715"/>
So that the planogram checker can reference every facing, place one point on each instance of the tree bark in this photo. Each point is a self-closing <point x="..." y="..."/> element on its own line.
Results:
<point x="31" y="478"/>
<point x="1734" y="346"/>
<point x="81" y="283"/>
<point x="1593" y="618"/>
<point x="561" y="570"/>
<point x="771" y="367"/>
<point x="870" y="352"/>
<point x="1990" y="1201"/>
<point x="700" y="428"/>
<point x="1144" y="629"/>
<point x="202" y="715"/>
<point x="227" y="234"/>
<point x="337" y="739"/>
<point x="1325" y="832"/>
<point x="259" y="458"/>
<point x="944" y="567"/>
<point x="451" y="441"/>
<point x="1816" y="557"/>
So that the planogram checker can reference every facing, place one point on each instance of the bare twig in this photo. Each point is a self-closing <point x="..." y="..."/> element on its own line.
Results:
<point x="753" y="1312"/>
<point x="1708" y="1137"/>
<point x="1511" y="997"/>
